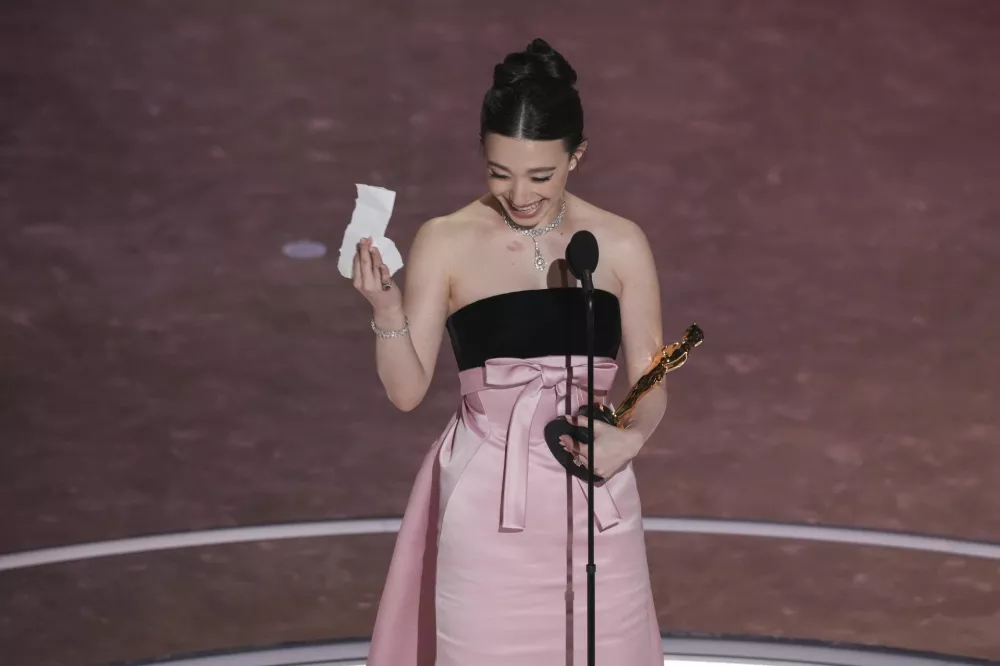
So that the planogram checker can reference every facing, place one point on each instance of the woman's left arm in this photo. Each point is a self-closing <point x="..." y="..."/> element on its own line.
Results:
<point x="642" y="327"/>
<point x="642" y="340"/>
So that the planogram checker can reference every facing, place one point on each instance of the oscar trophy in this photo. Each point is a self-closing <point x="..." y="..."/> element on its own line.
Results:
<point x="668" y="359"/>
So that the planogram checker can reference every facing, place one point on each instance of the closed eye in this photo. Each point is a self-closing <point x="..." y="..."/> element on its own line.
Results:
<point x="535" y="179"/>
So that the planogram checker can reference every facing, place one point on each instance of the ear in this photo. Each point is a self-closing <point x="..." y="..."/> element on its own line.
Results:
<point x="574" y="159"/>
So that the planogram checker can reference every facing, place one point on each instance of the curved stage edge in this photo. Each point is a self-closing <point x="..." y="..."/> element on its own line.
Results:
<point x="358" y="526"/>
<point x="677" y="651"/>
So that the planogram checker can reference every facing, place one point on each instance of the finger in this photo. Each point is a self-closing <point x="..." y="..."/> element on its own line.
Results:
<point x="374" y="256"/>
<point x="356" y="270"/>
<point x="568" y="443"/>
<point x="380" y="269"/>
<point x="376" y="270"/>
<point x="580" y="434"/>
<point x="366" y="264"/>
<point x="581" y="450"/>
<point x="385" y="277"/>
<point x="376" y="273"/>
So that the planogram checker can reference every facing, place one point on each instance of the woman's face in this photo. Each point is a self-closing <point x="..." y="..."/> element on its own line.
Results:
<point x="527" y="177"/>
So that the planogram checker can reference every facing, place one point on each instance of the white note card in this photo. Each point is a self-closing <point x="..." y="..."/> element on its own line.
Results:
<point x="372" y="210"/>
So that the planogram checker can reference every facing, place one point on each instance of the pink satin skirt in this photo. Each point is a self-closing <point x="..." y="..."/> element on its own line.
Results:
<point x="489" y="567"/>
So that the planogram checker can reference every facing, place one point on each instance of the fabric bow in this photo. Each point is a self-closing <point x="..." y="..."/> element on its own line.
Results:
<point x="536" y="378"/>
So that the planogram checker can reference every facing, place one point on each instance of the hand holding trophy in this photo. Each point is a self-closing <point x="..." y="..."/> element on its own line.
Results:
<point x="670" y="358"/>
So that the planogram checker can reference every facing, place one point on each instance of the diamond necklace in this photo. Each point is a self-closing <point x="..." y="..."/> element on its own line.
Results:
<point x="535" y="232"/>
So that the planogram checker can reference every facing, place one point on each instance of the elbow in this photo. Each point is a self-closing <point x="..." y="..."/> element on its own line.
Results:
<point x="406" y="396"/>
<point x="406" y="403"/>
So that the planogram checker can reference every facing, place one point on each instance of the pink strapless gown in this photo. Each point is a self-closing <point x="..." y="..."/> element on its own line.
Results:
<point x="489" y="567"/>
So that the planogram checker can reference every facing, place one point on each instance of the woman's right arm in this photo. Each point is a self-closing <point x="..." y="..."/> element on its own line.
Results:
<point x="406" y="363"/>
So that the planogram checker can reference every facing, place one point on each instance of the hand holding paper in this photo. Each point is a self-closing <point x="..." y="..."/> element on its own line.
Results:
<point x="372" y="210"/>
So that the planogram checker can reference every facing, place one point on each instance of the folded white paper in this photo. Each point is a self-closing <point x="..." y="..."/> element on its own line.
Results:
<point x="372" y="210"/>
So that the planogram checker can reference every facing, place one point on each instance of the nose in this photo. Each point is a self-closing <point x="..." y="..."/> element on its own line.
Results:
<point x="520" y="194"/>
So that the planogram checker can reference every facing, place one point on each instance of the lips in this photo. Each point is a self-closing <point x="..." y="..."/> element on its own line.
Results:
<point x="525" y="212"/>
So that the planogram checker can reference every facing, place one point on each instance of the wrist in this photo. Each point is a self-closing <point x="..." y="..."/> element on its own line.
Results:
<point x="390" y="319"/>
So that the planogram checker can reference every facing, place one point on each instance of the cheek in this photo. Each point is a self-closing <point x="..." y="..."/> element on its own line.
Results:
<point x="554" y="187"/>
<point x="497" y="187"/>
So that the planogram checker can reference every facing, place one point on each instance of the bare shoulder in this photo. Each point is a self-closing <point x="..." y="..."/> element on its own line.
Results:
<point x="623" y="242"/>
<point x="450" y="228"/>
<point x="441" y="236"/>
<point x="626" y="251"/>
<point x="440" y="240"/>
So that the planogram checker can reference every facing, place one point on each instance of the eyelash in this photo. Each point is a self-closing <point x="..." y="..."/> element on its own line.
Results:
<point x="537" y="179"/>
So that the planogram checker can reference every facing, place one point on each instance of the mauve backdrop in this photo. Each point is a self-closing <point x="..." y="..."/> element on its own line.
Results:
<point x="818" y="179"/>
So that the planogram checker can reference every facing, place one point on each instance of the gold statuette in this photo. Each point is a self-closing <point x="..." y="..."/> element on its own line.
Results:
<point x="667" y="360"/>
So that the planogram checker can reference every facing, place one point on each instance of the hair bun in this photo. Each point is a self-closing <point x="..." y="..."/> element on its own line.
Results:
<point x="539" y="63"/>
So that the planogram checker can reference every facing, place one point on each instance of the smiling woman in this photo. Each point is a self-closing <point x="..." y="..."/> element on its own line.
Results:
<point x="489" y="564"/>
<point x="532" y="107"/>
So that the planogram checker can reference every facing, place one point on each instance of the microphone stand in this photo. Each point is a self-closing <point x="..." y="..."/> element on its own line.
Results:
<point x="588" y="292"/>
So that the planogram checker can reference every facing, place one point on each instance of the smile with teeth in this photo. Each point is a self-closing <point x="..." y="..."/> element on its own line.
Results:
<point x="526" y="209"/>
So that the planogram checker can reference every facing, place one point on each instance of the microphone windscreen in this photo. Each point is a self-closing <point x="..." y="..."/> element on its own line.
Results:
<point x="582" y="253"/>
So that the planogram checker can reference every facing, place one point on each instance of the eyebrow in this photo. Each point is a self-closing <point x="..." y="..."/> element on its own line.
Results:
<point x="535" y="170"/>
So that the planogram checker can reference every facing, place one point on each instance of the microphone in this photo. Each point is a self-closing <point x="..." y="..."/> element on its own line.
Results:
<point x="581" y="255"/>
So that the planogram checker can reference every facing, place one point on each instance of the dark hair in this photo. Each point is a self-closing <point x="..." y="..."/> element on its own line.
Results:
<point x="533" y="97"/>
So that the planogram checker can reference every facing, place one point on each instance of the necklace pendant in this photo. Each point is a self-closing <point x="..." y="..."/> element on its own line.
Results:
<point x="539" y="259"/>
<point x="533" y="233"/>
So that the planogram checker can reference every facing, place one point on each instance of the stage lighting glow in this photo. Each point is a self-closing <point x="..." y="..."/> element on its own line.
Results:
<point x="304" y="249"/>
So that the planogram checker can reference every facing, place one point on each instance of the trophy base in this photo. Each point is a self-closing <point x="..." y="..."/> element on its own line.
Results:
<point x="559" y="427"/>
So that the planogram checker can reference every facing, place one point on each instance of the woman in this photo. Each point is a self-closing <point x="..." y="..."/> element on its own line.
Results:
<point x="489" y="565"/>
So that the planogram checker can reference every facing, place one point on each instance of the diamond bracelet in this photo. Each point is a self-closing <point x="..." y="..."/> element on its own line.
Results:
<point x="392" y="334"/>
